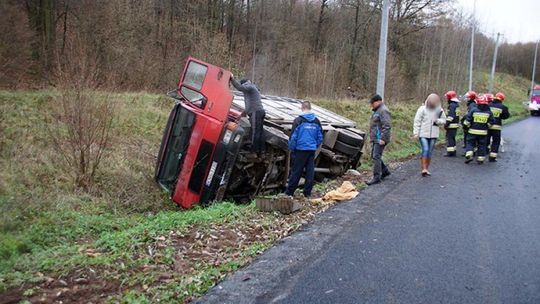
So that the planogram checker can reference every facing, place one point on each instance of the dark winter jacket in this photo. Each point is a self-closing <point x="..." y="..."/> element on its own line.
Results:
<point x="470" y="104"/>
<point x="252" y="96"/>
<point x="306" y="134"/>
<point x="452" y="119"/>
<point x="500" y="112"/>
<point x="478" y="120"/>
<point x="380" y="125"/>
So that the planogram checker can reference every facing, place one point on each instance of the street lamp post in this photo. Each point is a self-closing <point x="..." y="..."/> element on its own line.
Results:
<point x="472" y="49"/>
<point x="492" y="78"/>
<point x="381" y="71"/>
<point x="534" y="68"/>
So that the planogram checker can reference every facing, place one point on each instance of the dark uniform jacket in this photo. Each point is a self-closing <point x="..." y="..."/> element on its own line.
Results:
<point x="380" y="124"/>
<point x="500" y="112"/>
<point x="478" y="120"/>
<point x="452" y="119"/>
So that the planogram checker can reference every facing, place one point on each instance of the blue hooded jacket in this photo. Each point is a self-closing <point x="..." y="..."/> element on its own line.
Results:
<point x="306" y="133"/>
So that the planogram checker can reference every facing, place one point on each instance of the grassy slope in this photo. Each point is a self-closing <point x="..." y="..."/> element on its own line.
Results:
<point x="46" y="226"/>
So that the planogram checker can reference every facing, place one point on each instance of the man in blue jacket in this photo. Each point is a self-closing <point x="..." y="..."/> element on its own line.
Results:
<point x="306" y="137"/>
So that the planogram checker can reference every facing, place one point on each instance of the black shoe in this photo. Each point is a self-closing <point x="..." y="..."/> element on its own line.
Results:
<point x="450" y="154"/>
<point x="492" y="160"/>
<point x="468" y="159"/>
<point x="385" y="174"/>
<point x="480" y="162"/>
<point x="373" y="182"/>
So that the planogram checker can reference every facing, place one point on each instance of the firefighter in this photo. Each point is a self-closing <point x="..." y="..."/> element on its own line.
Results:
<point x="478" y="120"/>
<point x="500" y="112"/>
<point x="471" y="102"/>
<point x="452" y="123"/>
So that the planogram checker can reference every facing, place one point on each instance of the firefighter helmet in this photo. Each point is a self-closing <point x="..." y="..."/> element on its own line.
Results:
<point x="451" y="95"/>
<point x="500" y="96"/>
<point x="471" y="95"/>
<point x="489" y="97"/>
<point x="482" y="99"/>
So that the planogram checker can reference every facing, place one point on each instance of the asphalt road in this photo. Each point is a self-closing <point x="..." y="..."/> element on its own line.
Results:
<point x="468" y="234"/>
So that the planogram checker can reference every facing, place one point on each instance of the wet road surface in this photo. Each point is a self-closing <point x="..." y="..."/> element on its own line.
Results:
<point x="468" y="234"/>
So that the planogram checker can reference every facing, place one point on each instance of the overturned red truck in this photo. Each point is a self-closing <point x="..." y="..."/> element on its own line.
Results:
<point x="204" y="154"/>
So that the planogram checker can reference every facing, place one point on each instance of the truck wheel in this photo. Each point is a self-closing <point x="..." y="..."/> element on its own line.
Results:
<point x="346" y="148"/>
<point x="349" y="137"/>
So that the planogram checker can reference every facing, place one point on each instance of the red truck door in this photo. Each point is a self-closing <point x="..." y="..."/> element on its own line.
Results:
<point x="207" y="87"/>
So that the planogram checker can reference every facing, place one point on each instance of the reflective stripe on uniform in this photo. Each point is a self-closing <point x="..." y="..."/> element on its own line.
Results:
<point x="481" y="158"/>
<point x="469" y="154"/>
<point x="495" y="127"/>
<point x="492" y="154"/>
<point x="478" y="132"/>
<point x="449" y="118"/>
<point x="453" y="126"/>
<point x="451" y="149"/>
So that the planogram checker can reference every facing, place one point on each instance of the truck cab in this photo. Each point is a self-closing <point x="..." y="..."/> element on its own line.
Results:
<point x="201" y="137"/>
<point x="205" y="150"/>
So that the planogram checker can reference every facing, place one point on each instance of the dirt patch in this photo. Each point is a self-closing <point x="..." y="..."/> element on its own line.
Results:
<point x="83" y="285"/>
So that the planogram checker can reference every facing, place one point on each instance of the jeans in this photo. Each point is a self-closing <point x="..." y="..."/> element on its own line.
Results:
<point x="256" y="120"/>
<point x="427" y="144"/>
<point x="378" y="165"/>
<point x="302" y="160"/>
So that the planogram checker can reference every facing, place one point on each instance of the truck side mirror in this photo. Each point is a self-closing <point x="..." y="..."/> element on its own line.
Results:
<point x="173" y="94"/>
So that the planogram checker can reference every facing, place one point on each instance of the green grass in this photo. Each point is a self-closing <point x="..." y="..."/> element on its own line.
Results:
<point x="46" y="225"/>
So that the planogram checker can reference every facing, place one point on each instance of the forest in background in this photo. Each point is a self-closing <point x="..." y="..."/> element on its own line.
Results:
<point x="316" y="48"/>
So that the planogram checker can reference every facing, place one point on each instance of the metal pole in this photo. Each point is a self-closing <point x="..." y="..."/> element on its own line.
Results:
<point x="472" y="48"/>
<point x="382" y="48"/>
<point x="534" y="68"/>
<point x="492" y="78"/>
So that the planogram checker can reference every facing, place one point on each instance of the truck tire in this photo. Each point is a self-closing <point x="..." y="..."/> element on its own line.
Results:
<point x="349" y="137"/>
<point x="346" y="148"/>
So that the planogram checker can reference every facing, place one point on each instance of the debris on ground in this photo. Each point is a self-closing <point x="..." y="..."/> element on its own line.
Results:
<point x="282" y="203"/>
<point x="346" y="191"/>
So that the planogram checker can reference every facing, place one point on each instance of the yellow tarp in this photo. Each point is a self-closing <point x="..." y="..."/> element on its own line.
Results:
<point x="345" y="192"/>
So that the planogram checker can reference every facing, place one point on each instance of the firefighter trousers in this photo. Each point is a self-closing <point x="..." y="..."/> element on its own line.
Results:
<point x="451" y="140"/>
<point x="495" y="139"/>
<point x="479" y="141"/>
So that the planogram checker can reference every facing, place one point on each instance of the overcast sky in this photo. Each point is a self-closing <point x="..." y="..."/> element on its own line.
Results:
<point x="518" y="20"/>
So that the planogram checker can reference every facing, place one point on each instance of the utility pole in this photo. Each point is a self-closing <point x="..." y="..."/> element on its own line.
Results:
<point x="472" y="48"/>
<point x="534" y="69"/>
<point x="492" y="79"/>
<point x="382" y="48"/>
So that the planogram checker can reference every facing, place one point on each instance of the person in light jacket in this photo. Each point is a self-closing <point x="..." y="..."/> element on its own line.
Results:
<point x="429" y="118"/>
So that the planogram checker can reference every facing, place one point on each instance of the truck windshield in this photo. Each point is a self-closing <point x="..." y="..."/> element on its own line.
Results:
<point x="536" y="92"/>
<point x="174" y="145"/>
<point x="193" y="82"/>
